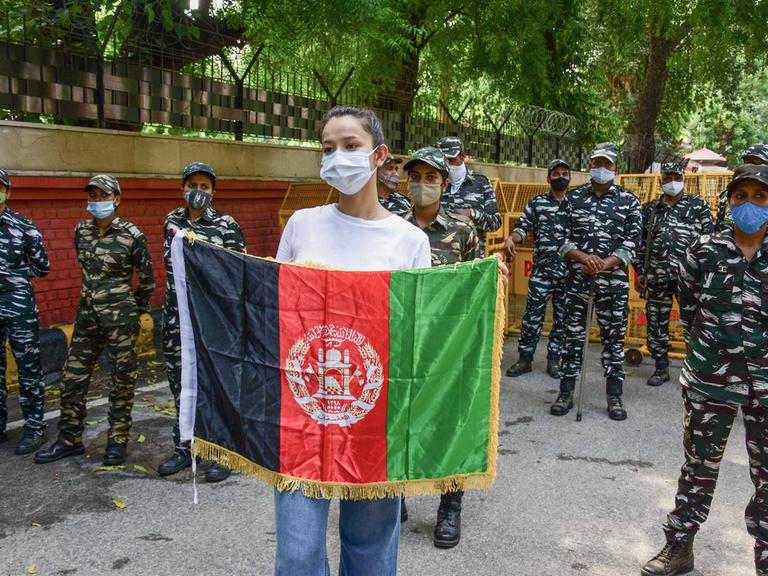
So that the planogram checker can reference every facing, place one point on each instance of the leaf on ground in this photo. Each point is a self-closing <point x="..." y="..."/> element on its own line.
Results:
<point x="140" y="439"/>
<point x="36" y="525"/>
<point x="154" y="363"/>
<point x="629" y="371"/>
<point x="96" y="421"/>
<point x="140" y="468"/>
<point x="119" y="505"/>
<point x="32" y="569"/>
<point x="109" y="468"/>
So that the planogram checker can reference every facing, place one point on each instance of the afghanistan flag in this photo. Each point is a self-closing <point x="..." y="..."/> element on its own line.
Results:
<point x="340" y="383"/>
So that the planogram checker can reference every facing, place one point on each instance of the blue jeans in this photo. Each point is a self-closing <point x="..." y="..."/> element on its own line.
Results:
<point x="369" y="531"/>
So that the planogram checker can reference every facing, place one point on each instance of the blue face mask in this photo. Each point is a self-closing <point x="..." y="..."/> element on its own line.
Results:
<point x="101" y="210"/>
<point x="749" y="217"/>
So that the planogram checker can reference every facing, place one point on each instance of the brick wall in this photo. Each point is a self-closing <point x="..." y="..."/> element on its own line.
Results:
<point x="56" y="204"/>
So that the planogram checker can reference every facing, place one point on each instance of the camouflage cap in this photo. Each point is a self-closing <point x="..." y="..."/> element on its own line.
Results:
<point x="429" y="155"/>
<point x="105" y="182"/>
<point x="758" y="172"/>
<point x="451" y="146"/>
<point x="672" y="168"/>
<point x="196" y="167"/>
<point x="607" y="150"/>
<point x="5" y="180"/>
<point x="555" y="163"/>
<point x="392" y="159"/>
<point x="758" y="151"/>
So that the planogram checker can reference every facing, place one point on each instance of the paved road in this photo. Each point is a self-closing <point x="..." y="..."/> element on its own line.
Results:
<point x="571" y="499"/>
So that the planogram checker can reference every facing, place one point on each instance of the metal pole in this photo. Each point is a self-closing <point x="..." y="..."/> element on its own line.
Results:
<point x="584" y="353"/>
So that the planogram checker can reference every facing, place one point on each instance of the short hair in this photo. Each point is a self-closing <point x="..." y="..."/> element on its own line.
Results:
<point x="368" y="120"/>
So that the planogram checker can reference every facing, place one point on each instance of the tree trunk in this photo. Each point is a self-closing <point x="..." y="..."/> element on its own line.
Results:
<point x="642" y="128"/>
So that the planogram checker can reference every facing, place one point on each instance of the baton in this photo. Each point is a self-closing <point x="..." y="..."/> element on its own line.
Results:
<point x="587" y="327"/>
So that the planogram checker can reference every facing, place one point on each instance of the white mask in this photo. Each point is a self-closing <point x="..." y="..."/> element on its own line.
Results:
<point x="672" y="188"/>
<point x="602" y="175"/>
<point x="457" y="173"/>
<point x="347" y="171"/>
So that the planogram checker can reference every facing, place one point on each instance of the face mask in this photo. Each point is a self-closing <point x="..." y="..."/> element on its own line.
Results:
<point x="602" y="175"/>
<point x="672" y="188"/>
<point x="347" y="171"/>
<point x="424" y="194"/>
<point x="457" y="173"/>
<point x="198" y="199"/>
<point x="749" y="217"/>
<point x="390" y="181"/>
<point x="101" y="210"/>
<point x="3" y="197"/>
<point x="559" y="184"/>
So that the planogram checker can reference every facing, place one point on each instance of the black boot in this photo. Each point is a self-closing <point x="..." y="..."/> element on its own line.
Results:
<point x="553" y="367"/>
<point x="179" y="460"/>
<point x="674" y="558"/>
<point x="57" y="451"/>
<point x="31" y="442"/>
<point x="564" y="400"/>
<point x="616" y="410"/>
<point x="448" y="527"/>
<point x="660" y="376"/>
<point x="114" y="455"/>
<point x="216" y="473"/>
<point x="522" y="366"/>
<point x="403" y="511"/>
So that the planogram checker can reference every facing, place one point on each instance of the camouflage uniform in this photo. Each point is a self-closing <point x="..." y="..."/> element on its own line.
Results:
<point x="219" y="229"/>
<point x="724" y="310"/>
<point x="723" y="219"/>
<point x="475" y="193"/>
<point x="22" y="255"/>
<point x="397" y="203"/>
<point x="107" y="316"/>
<point x="674" y="229"/>
<point x="546" y="218"/>
<point x="451" y="240"/>
<point x="606" y="226"/>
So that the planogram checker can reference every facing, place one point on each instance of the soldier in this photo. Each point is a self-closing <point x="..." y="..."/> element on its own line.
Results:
<point x="603" y="226"/>
<point x="21" y="257"/>
<point x="470" y="194"/>
<point x="723" y="307"/>
<point x="109" y="250"/>
<point x="451" y="240"/>
<point x="386" y="188"/>
<point x="544" y="216"/>
<point x="756" y="154"/>
<point x="670" y="224"/>
<point x="198" y="188"/>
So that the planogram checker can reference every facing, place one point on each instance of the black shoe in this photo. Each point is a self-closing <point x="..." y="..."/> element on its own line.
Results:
<point x="3" y="437"/>
<point x="522" y="366"/>
<point x="216" y="473"/>
<point x="553" y="367"/>
<point x="403" y="511"/>
<point x="659" y="377"/>
<point x="179" y="460"/>
<point x="562" y="405"/>
<point x="674" y="558"/>
<point x="31" y="442"/>
<point x="448" y="527"/>
<point x="57" y="451"/>
<point x="616" y="409"/>
<point x="114" y="455"/>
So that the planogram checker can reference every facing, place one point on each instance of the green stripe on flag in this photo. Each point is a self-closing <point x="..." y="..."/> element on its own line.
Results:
<point x="441" y="332"/>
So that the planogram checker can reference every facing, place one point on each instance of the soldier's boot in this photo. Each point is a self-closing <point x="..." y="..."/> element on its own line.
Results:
<point x="403" y="511"/>
<point x="179" y="460"/>
<point x="616" y="410"/>
<point x="30" y="442"/>
<point x="216" y="472"/>
<point x="660" y="376"/>
<point x="114" y="455"/>
<point x="3" y="437"/>
<point x="58" y="450"/>
<point x="674" y="558"/>
<point x="564" y="400"/>
<point x="522" y="366"/>
<point x="448" y="526"/>
<point x="553" y="367"/>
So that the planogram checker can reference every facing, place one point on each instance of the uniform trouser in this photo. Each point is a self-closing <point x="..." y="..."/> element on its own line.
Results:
<point x="610" y="304"/>
<point x="657" y="310"/>
<point x="23" y="333"/>
<point x="172" y="354"/>
<point x="90" y="337"/>
<point x="706" y="426"/>
<point x="541" y="289"/>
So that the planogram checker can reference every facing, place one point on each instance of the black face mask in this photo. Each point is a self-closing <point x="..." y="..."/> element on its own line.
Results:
<point x="559" y="184"/>
<point x="198" y="199"/>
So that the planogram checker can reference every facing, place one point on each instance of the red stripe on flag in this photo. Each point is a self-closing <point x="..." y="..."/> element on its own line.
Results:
<point x="334" y="354"/>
